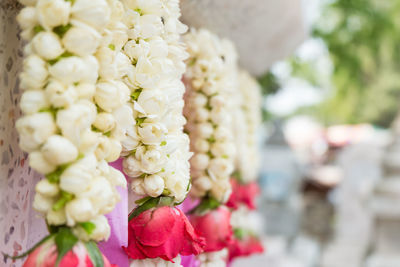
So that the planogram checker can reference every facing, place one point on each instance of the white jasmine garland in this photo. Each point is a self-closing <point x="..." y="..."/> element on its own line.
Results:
<point x="73" y="124"/>
<point x="248" y="120"/>
<point x="156" y="150"/>
<point x="211" y="79"/>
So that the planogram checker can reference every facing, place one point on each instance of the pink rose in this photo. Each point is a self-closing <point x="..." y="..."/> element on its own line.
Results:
<point x="243" y="194"/>
<point x="162" y="232"/>
<point x="245" y="247"/>
<point x="215" y="227"/>
<point x="46" y="256"/>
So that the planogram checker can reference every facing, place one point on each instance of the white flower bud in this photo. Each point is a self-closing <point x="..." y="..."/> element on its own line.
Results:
<point x="59" y="150"/>
<point x="110" y="96"/>
<point x="178" y="185"/>
<point x="223" y="149"/>
<point x="39" y="163"/>
<point x="79" y="210"/>
<point x="203" y="183"/>
<point x="95" y="13"/>
<point x="154" y="185"/>
<point x="105" y="122"/>
<point x="116" y="178"/>
<point x="202" y="114"/>
<point x="201" y="145"/>
<point x="103" y="148"/>
<point x="46" y="188"/>
<point x="32" y="101"/>
<point x="56" y="217"/>
<point x="204" y="130"/>
<point x="137" y="186"/>
<point x="75" y="119"/>
<point x="59" y="95"/>
<point x="73" y="69"/>
<point x="199" y="100"/>
<point x="84" y="169"/>
<point x="27" y="18"/>
<point x="47" y="45"/>
<point x="152" y="133"/>
<point x="217" y="101"/>
<point x="34" y="73"/>
<point x="52" y="13"/>
<point x="102" y="230"/>
<point x="89" y="141"/>
<point x="82" y="40"/>
<point x="34" y="130"/>
<point x="220" y="116"/>
<point x="200" y="161"/>
<point x="42" y="204"/>
<point x="101" y="195"/>
<point x="221" y="190"/>
<point x="132" y="167"/>
<point x="85" y="90"/>
<point x="220" y="167"/>
<point x="115" y="151"/>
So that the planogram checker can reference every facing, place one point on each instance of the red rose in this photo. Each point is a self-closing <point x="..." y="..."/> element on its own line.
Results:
<point x="245" y="247"/>
<point x="215" y="227"/>
<point x="46" y="256"/>
<point x="162" y="232"/>
<point x="243" y="194"/>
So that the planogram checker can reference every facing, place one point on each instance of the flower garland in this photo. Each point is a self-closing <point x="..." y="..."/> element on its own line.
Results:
<point x="156" y="150"/>
<point x="74" y="106"/>
<point x="211" y="80"/>
<point x="248" y="159"/>
<point x="245" y="188"/>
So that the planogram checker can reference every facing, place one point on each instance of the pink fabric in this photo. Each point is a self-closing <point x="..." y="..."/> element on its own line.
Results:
<point x="118" y="220"/>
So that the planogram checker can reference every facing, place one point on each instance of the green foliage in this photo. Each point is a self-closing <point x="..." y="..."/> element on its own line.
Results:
<point x="363" y="39"/>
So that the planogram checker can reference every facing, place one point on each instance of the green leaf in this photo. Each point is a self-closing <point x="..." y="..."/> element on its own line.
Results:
<point x="135" y="94"/>
<point x="54" y="177"/>
<point x="94" y="254"/>
<point x="207" y="204"/>
<point x="65" y="241"/>
<point x="151" y="203"/>
<point x="142" y="200"/>
<point x="38" y="28"/>
<point x="88" y="227"/>
<point x="64" y="55"/>
<point x="139" y="121"/>
<point x="64" y="198"/>
<point x="165" y="201"/>
<point x="239" y="233"/>
<point x="62" y="30"/>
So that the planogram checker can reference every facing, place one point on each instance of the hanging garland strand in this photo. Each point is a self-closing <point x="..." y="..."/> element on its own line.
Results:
<point x="72" y="125"/>
<point x="156" y="150"/>
<point x="211" y="82"/>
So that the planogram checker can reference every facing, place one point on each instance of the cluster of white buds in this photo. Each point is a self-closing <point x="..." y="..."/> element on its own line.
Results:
<point x="156" y="149"/>
<point x="73" y="121"/>
<point x="246" y="126"/>
<point x="211" y="80"/>
<point x="214" y="259"/>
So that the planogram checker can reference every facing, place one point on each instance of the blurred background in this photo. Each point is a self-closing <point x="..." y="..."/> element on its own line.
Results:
<point x="330" y="75"/>
<point x="330" y="141"/>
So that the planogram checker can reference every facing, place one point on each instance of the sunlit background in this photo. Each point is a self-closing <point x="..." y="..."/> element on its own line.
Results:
<point x="331" y="146"/>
